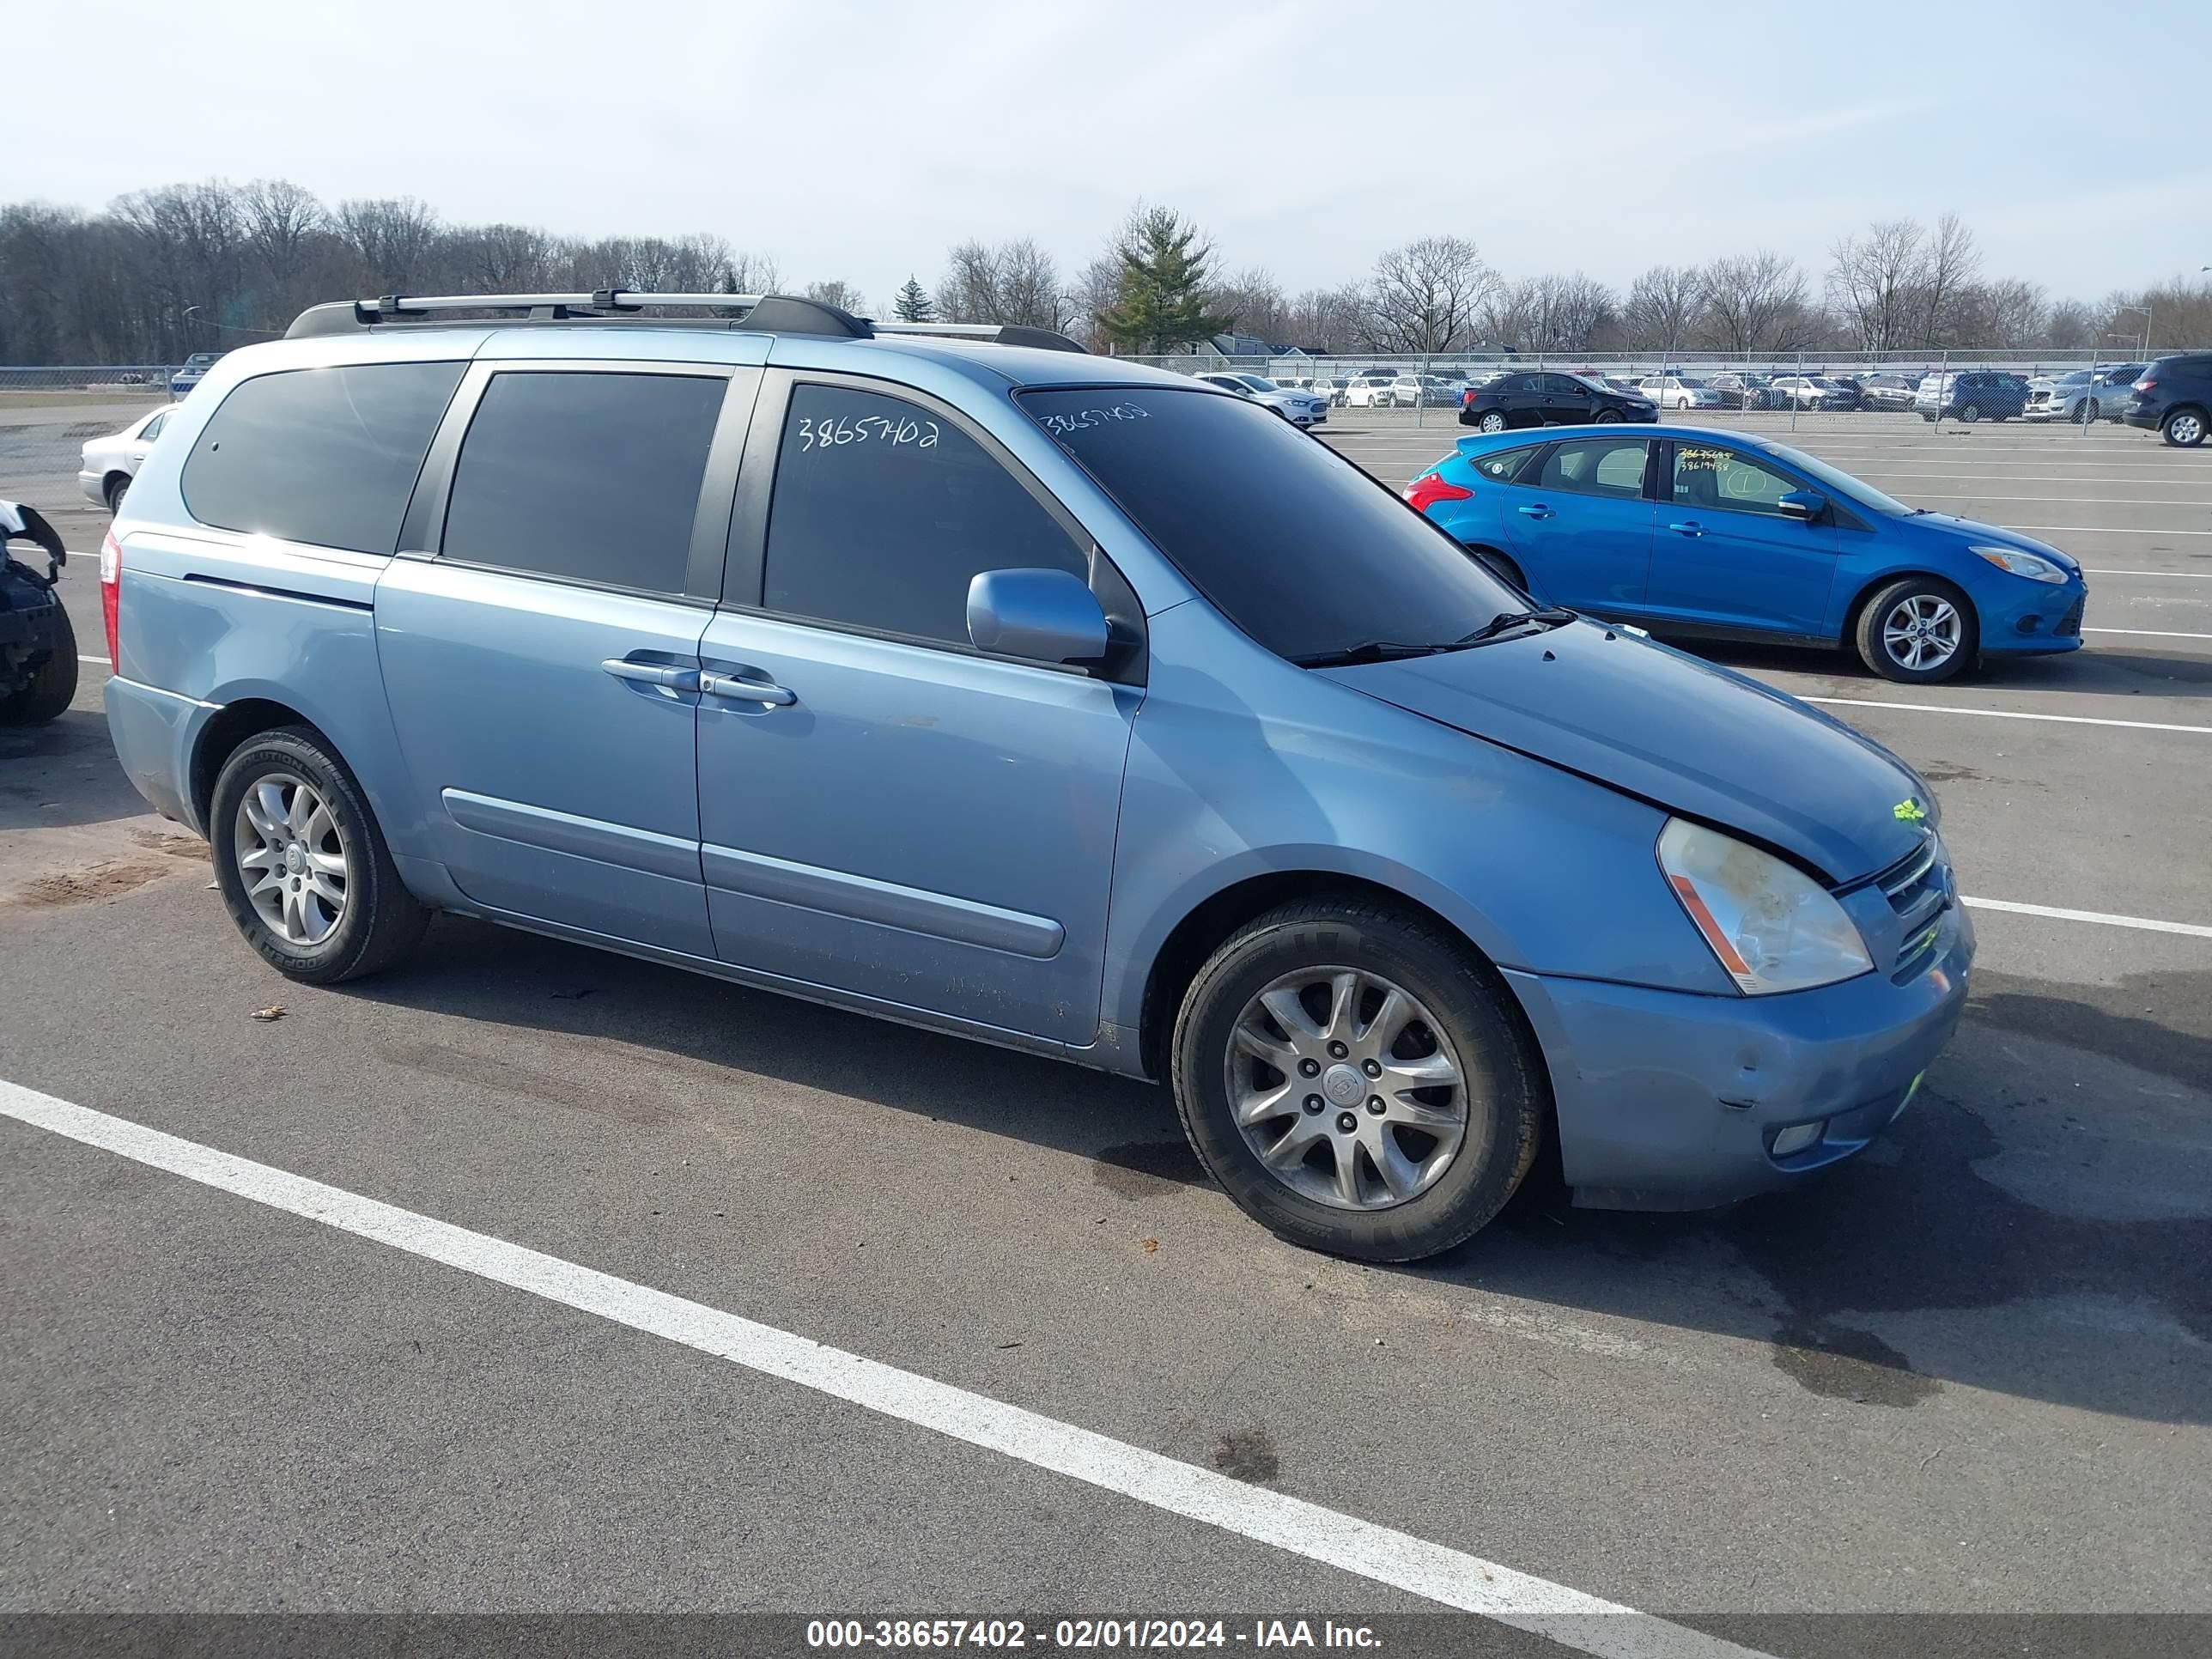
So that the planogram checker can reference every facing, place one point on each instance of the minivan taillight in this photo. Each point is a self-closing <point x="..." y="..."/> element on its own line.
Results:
<point x="111" y="589"/>
<point x="1424" y="491"/>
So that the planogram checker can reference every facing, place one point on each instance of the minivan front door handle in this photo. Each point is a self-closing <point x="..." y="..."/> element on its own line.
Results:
<point x="1538" y="511"/>
<point x="1688" y="527"/>
<point x="738" y="689"/>
<point x="653" y="673"/>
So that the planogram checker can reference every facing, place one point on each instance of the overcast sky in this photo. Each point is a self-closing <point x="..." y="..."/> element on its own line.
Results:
<point x="858" y="141"/>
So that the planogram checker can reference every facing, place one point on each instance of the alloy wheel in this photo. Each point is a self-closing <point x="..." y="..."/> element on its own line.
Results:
<point x="291" y="859"/>
<point x="1922" y="631"/>
<point x="1346" y="1088"/>
<point x="2186" y="428"/>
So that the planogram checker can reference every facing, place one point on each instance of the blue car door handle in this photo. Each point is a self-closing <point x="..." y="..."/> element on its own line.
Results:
<point x="1688" y="527"/>
<point x="739" y="689"/>
<point x="653" y="673"/>
<point x="1538" y="511"/>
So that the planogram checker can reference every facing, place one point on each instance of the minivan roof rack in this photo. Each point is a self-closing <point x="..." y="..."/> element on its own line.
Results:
<point x="781" y="313"/>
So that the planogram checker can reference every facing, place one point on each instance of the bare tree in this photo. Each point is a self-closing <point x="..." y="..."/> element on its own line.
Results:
<point x="1756" y="302"/>
<point x="1878" y="282"/>
<point x="1662" y="305"/>
<point x="1953" y="263"/>
<point x="1329" y="318"/>
<point x="510" y="258"/>
<point x="840" y="294"/>
<point x="2009" y="311"/>
<point x="392" y="236"/>
<point x="1422" y="296"/>
<point x="1255" y="299"/>
<point x="282" y="221"/>
<point x="1015" y="282"/>
<point x="2069" y="324"/>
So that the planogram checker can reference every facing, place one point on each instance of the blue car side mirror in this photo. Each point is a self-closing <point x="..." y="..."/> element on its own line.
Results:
<point x="1806" y="504"/>
<point x="1046" y="616"/>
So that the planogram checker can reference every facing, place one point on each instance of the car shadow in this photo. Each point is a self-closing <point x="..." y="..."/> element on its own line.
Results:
<point x="63" y="774"/>
<point x="1919" y="1235"/>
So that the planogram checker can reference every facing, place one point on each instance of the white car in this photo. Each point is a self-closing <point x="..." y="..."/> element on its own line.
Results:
<point x="1300" y="409"/>
<point x="110" y="463"/>
<point x="1680" y="391"/>
<point x="1370" y="390"/>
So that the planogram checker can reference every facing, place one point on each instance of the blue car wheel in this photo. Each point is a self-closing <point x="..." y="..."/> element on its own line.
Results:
<point x="1919" y="631"/>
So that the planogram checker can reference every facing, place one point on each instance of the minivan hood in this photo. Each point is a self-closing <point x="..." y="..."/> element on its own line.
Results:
<point x="1690" y="737"/>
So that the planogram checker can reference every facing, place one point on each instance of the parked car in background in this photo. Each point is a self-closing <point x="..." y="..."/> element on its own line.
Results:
<point x="1368" y="387"/>
<point x="106" y="465"/>
<point x="189" y="375"/>
<point x="1741" y="389"/>
<point x="1298" y="408"/>
<point x="2174" y="399"/>
<point x="2085" y="395"/>
<point x="1550" y="398"/>
<point x="1680" y="391"/>
<point x="1809" y="391"/>
<point x="1418" y="391"/>
<point x="1687" y="531"/>
<point x="1333" y="387"/>
<point x="1106" y="719"/>
<point x="1886" y="389"/>
<point x="1971" y="395"/>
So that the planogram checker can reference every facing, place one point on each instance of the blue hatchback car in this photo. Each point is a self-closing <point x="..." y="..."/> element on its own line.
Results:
<point x="1693" y="532"/>
<point x="1044" y="699"/>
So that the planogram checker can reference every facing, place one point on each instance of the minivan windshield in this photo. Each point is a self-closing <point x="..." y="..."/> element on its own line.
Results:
<point x="1291" y="541"/>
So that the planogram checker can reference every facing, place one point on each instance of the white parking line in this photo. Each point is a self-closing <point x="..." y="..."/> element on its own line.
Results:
<point x="102" y="661"/>
<point x="1335" y="1539"/>
<point x="2149" y="632"/>
<point x="2149" y="924"/>
<point x="2006" y="714"/>
<point x="2096" y="529"/>
<point x="2191" y="575"/>
<point x="2078" y="500"/>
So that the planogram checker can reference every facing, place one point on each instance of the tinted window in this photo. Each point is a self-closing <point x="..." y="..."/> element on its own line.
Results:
<point x="1595" y="466"/>
<point x="321" y="455"/>
<point x="1515" y="383"/>
<point x="1505" y="466"/>
<point x="1561" y="385"/>
<point x="1291" y="541"/>
<point x="587" y="476"/>
<point x="883" y="512"/>
<point x="1713" y="478"/>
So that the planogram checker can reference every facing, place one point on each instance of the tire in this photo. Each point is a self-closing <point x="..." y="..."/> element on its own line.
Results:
<point x="1464" y="1022"/>
<point x="117" y="488"/>
<point x="1500" y="567"/>
<point x="1605" y="417"/>
<point x="53" y="688"/>
<point x="2088" y="412"/>
<point x="1970" y="414"/>
<point x="1931" y="419"/>
<point x="378" y="920"/>
<point x="2183" y="428"/>
<point x="1493" y="421"/>
<point x="1926" y="599"/>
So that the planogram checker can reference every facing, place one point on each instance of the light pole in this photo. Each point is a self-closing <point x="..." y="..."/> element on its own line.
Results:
<point x="2144" y="312"/>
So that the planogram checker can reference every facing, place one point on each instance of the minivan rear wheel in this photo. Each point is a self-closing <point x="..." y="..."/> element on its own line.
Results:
<point x="1356" y="1081"/>
<point x="2184" y="428"/>
<point x="301" y="864"/>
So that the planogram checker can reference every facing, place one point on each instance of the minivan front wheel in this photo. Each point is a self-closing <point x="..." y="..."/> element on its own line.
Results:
<point x="1355" y="1082"/>
<point x="301" y="865"/>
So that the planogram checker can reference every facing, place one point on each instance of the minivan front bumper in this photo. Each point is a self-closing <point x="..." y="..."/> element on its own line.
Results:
<point x="1669" y="1101"/>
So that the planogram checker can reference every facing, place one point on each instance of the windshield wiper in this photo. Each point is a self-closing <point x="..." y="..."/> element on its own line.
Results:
<point x="1550" y="616"/>
<point x="1367" y="651"/>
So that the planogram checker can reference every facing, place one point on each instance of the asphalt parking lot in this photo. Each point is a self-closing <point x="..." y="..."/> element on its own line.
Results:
<point x="1969" y="1373"/>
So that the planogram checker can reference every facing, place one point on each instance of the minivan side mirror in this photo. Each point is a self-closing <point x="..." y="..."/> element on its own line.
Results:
<point x="1806" y="504"/>
<point x="1046" y="616"/>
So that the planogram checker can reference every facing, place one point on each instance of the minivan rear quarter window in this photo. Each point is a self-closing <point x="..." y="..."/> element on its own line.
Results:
<point x="587" y="476"/>
<point x="325" y="456"/>
<point x="1294" y="544"/>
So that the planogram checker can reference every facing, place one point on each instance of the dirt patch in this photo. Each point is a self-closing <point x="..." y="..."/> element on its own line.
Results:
<point x="177" y="847"/>
<point x="89" y="885"/>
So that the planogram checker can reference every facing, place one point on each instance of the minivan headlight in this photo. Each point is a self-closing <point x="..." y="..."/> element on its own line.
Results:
<point x="2036" y="569"/>
<point x="1773" y="926"/>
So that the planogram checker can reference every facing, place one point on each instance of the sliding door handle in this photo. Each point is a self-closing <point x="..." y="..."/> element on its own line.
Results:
<point x="733" y="687"/>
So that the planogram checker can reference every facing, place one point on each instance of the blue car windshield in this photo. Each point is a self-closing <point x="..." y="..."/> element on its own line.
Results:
<point x="1839" y="483"/>
<point x="1293" y="543"/>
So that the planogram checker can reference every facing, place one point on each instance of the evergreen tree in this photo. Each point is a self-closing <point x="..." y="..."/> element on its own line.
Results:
<point x="1160" y="301"/>
<point x="913" y="304"/>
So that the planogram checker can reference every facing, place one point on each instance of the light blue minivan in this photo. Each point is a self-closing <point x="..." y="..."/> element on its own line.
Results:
<point x="967" y="679"/>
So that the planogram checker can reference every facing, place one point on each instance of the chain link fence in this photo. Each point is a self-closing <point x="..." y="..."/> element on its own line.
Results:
<point x="2085" y="390"/>
<point x="151" y="378"/>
